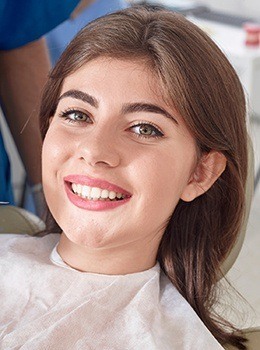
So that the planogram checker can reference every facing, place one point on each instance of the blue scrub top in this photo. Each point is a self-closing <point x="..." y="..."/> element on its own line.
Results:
<point x="23" y="21"/>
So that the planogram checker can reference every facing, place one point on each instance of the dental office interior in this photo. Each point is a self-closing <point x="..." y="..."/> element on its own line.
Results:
<point x="235" y="26"/>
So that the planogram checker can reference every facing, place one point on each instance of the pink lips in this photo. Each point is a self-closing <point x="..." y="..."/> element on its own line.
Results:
<point x="95" y="205"/>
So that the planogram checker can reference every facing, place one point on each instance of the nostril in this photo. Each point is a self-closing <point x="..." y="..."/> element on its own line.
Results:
<point x="109" y="160"/>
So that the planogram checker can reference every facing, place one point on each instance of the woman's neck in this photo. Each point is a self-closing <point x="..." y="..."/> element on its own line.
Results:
<point x="109" y="261"/>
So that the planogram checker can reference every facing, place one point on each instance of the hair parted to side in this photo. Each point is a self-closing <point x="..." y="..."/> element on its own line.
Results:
<point x="200" y="83"/>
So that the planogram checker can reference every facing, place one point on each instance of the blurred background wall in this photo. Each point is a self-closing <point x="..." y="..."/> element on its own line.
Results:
<point x="250" y="8"/>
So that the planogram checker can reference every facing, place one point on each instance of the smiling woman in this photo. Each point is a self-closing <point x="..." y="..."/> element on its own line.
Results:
<point x="144" y="169"/>
<point x="114" y="144"/>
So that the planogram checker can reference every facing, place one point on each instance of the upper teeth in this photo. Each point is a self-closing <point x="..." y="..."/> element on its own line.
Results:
<point x="95" y="192"/>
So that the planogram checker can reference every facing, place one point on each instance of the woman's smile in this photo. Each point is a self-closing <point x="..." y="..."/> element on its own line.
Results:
<point x="94" y="194"/>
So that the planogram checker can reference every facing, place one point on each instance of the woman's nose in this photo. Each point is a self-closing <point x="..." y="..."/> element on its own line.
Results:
<point x="100" y="148"/>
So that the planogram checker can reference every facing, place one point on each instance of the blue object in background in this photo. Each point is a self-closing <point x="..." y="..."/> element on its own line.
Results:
<point x="60" y="37"/>
<point x="6" y="194"/>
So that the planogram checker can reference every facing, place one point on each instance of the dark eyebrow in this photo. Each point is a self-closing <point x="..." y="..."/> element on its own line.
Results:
<point x="147" y="107"/>
<point x="80" y="95"/>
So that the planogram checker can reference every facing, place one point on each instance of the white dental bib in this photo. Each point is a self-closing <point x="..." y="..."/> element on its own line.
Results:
<point x="48" y="305"/>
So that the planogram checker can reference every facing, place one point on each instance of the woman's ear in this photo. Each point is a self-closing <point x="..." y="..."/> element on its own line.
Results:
<point x="207" y="171"/>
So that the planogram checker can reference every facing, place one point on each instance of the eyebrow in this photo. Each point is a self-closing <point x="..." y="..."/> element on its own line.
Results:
<point x="127" y="108"/>
<point x="147" y="107"/>
<point x="80" y="95"/>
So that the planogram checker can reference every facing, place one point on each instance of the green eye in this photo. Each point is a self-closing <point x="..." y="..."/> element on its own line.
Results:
<point x="146" y="130"/>
<point x="75" y="116"/>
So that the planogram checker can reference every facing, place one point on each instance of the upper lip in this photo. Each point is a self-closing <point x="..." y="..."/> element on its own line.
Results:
<point x="93" y="182"/>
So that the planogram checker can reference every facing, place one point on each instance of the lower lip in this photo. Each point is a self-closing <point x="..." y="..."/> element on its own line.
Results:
<point x="95" y="205"/>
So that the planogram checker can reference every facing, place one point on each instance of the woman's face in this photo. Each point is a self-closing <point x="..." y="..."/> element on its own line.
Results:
<point x="116" y="157"/>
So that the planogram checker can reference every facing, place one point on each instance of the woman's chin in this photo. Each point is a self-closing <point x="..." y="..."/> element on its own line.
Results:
<point x="90" y="240"/>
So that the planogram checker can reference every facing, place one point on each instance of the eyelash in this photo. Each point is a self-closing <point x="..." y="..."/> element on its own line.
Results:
<point x="65" y="114"/>
<point x="157" y="132"/>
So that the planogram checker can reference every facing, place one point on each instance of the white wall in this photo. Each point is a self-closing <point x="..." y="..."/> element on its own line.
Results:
<point x="245" y="8"/>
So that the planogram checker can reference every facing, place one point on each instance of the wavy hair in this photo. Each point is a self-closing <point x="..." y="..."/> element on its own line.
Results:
<point x="201" y="84"/>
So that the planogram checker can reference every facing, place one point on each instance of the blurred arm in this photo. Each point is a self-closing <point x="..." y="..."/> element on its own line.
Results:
<point x="23" y="72"/>
<point x="80" y="7"/>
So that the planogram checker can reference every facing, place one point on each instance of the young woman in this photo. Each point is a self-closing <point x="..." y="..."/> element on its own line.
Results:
<point x="144" y="171"/>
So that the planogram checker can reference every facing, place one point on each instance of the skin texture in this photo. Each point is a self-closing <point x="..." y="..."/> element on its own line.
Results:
<point x="156" y="171"/>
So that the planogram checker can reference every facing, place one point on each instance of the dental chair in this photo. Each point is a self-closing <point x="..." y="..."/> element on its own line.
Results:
<point x="18" y="220"/>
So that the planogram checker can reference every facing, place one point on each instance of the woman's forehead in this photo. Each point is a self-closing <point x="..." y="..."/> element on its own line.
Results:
<point x="111" y="73"/>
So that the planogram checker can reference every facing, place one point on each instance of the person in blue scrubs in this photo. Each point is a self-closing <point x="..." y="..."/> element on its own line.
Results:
<point x="59" y="37"/>
<point x="24" y="65"/>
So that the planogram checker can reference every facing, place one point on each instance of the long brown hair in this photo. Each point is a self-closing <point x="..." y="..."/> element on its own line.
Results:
<point x="201" y="84"/>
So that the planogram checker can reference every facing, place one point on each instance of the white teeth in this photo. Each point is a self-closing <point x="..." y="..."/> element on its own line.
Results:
<point x="112" y="195"/>
<point x="95" y="193"/>
<point x="74" y="188"/>
<point x="104" y="194"/>
<point x="79" y="189"/>
<point x="85" y="191"/>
